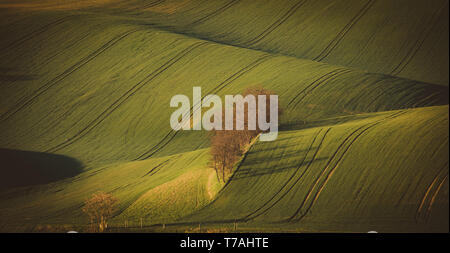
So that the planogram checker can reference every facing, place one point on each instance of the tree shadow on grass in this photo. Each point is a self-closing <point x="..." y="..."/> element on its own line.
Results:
<point x="25" y="168"/>
<point x="249" y="171"/>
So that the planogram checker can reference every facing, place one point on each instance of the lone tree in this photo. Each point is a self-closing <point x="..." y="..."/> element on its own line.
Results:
<point x="100" y="207"/>
<point x="227" y="146"/>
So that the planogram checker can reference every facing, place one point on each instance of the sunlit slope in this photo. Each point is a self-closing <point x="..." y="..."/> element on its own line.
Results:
<point x="367" y="34"/>
<point x="402" y="38"/>
<point x="22" y="209"/>
<point x="358" y="150"/>
<point x="388" y="172"/>
<point x="100" y="92"/>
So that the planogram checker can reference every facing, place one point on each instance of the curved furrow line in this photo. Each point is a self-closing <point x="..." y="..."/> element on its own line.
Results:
<point x="55" y="122"/>
<point x="391" y="90"/>
<point x="309" y="85"/>
<point x="155" y="169"/>
<point x="64" y="115"/>
<point x="317" y="84"/>
<point x="50" y="58"/>
<point x="276" y="24"/>
<point x="305" y="199"/>
<point x="8" y="114"/>
<point x="340" y="36"/>
<point x="427" y="192"/>
<point x="297" y="180"/>
<point x="153" y="4"/>
<point x="36" y="33"/>
<point x="428" y="213"/>
<point x="313" y="83"/>
<point x="419" y="42"/>
<point x="231" y="79"/>
<point x="160" y="145"/>
<point x="426" y="100"/>
<point x="77" y="41"/>
<point x="332" y="170"/>
<point x="117" y="103"/>
<point x="149" y="153"/>
<point x="343" y="146"/>
<point x="247" y="69"/>
<point x="255" y="214"/>
<point x="289" y="179"/>
<point x="215" y="13"/>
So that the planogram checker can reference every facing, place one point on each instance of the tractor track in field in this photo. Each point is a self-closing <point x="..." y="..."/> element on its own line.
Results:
<point x="49" y="34"/>
<point x="344" y="146"/>
<point x="425" y="100"/>
<point x="419" y="212"/>
<point x="419" y="42"/>
<point x="75" y="42"/>
<point x="295" y="182"/>
<point x="130" y="92"/>
<point x="231" y="179"/>
<point x="433" y="198"/>
<point x="388" y="91"/>
<point x="316" y="83"/>
<point x="255" y="214"/>
<point x="231" y="79"/>
<point x="48" y="59"/>
<point x="214" y="13"/>
<point x="85" y="60"/>
<point x="168" y="138"/>
<point x="73" y="107"/>
<point x="340" y="36"/>
<point x="276" y="24"/>
<point x="395" y="89"/>
<point x="153" y="4"/>
<point x="35" y="33"/>
<point x="155" y="169"/>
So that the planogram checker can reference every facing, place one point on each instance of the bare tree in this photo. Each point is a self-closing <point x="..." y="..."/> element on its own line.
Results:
<point x="227" y="146"/>
<point x="225" y="151"/>
<point x="100" y="207"/>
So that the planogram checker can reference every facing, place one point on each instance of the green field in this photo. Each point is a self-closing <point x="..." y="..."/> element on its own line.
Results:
<point x="363" y="144"/>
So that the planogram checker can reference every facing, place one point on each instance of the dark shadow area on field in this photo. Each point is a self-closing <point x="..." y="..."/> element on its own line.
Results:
<point x="283" y="147"/>
<point x="299" y="125"/>
<point x="24" y="168"/>
<point x="287" y="154"/>
<point x="249" y="172"/>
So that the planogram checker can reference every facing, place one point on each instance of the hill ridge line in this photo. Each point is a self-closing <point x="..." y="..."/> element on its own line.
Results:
<point x="178" y="31"/>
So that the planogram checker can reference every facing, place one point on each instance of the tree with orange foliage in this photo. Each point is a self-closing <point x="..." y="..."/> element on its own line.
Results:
<point x="100" y="207"/>
<point x="227" y="146"/>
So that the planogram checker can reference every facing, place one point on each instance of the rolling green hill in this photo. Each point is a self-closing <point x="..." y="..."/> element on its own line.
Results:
<point x="364" y="134"/>
<point x="359" y="175"/>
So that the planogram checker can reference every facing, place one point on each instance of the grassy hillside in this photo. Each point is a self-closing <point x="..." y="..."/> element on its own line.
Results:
<point x="59" y="203"/>
<point x="360" y="175"/>
<point x="367" y="34"/>
<point x="85" y="91"/>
